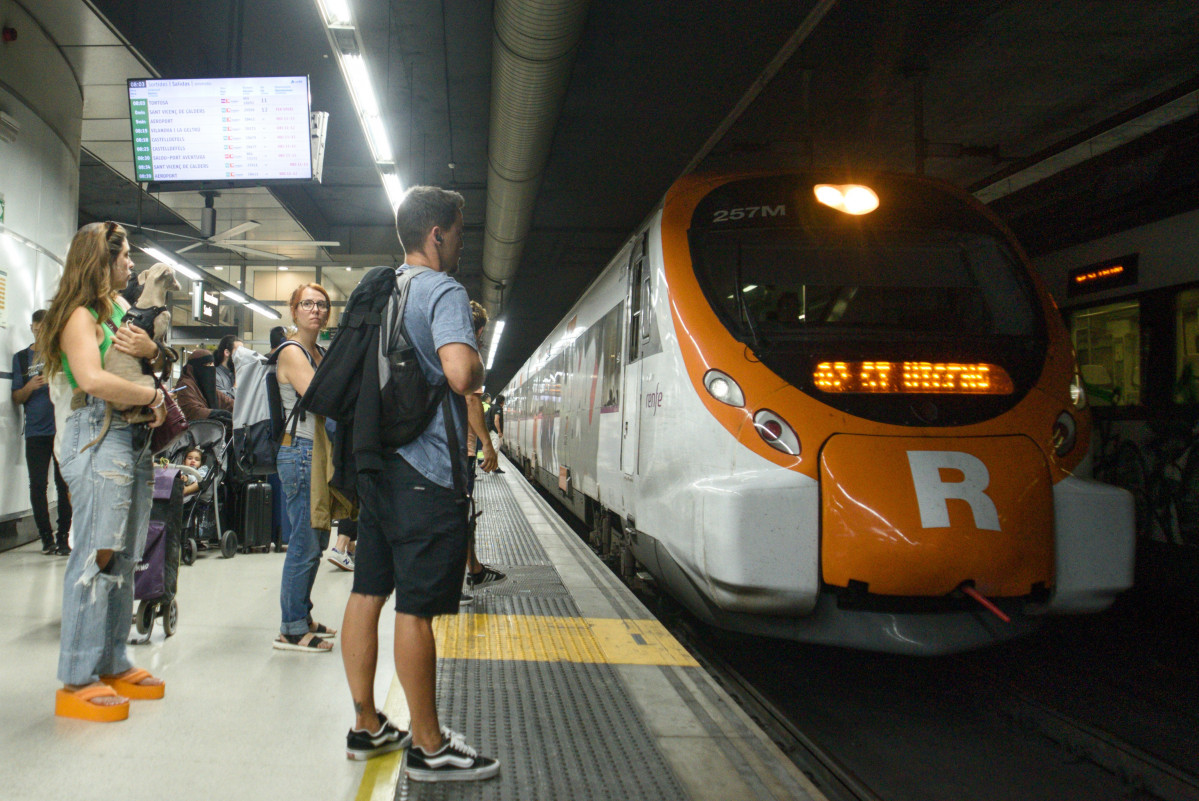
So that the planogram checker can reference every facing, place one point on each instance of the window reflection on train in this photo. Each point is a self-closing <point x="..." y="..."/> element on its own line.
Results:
<point x="1139" y="360"/>
<point x="1107" y="341"/>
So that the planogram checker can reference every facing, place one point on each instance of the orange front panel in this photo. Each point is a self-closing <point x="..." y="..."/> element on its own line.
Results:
<point x="917" y="516"/>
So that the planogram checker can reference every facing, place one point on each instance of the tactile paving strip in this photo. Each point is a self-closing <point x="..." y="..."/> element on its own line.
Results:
<point x="523" y="580"/>
<point x="561" y="729"/>
<point x="503" y="535"/>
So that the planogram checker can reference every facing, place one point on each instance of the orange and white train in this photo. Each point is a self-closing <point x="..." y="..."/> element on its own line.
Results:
<point x="839" y="411"/>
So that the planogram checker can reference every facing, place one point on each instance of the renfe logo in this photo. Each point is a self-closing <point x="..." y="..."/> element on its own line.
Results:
<point x="932" y="491"/>
<point x="653" y="400"/>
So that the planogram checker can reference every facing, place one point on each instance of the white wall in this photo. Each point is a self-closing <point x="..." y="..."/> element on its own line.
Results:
<point x="39" y="179"/>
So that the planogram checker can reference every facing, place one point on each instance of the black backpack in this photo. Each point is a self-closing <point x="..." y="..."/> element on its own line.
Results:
<point x="407" y="402"/>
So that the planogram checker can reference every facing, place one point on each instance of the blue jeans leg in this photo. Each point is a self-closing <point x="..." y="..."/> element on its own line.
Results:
<point x="304" y="549"/>
<point x="111" y="495"/>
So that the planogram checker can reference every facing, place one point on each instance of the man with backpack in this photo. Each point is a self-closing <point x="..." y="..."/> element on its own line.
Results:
<point x="412" y="526"/>
<point x="29" y="388"/>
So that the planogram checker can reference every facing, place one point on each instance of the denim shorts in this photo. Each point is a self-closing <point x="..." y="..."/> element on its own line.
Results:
<point x="412" y="536"/>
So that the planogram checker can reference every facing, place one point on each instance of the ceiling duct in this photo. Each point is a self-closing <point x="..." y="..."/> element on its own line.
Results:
<point x="533" y="49"/>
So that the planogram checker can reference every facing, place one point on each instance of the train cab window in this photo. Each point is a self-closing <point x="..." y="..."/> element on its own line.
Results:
<point x="778" y="283"/>
<point x="1186" y="326"/>
<point x="1107" y="342"/>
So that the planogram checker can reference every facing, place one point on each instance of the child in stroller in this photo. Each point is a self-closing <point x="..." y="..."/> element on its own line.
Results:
<point x="207" y="439"/>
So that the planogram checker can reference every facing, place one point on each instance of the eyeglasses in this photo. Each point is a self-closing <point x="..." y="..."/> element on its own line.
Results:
<point x="319" y="305"/>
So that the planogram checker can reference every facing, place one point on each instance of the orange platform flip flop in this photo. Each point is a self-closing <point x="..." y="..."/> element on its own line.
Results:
<point x="78" y="704"/>
<point x="129" y="687"/>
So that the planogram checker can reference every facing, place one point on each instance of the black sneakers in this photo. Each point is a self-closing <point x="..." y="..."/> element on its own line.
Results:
<point x="455" y="761"/>
<point x="484" y="578"/>
<point x="361" y="744"/>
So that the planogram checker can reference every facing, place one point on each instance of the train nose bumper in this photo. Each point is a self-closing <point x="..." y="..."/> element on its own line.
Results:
<point x="1096" y="542"/>
<point x="917" y="516"/>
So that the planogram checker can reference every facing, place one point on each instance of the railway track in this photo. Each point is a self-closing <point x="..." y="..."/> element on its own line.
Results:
<point x="1106" y="766"/>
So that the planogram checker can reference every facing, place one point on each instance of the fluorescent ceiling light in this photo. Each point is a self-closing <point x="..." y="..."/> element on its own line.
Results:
<point x="360" y="85"/>
<point x="380" y="144"/>
<point x="359" y="80"/>
<point x="239" y="297"/>
<point x="264" y="311"/>
<point x="336" y="13"/>
<point x="174" y="262"/>
<point x="395" y="190"/>
<point x="495" y="342"/>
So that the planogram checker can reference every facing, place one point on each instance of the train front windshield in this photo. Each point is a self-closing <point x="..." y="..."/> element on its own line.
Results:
<point x="776" y="283"/>
<point x="925" y="278"/>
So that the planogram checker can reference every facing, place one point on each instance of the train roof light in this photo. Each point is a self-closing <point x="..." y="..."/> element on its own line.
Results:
<point x="849" y="198"/>
<point x="723" y="388"/>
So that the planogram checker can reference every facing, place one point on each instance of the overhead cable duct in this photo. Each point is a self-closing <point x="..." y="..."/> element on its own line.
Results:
<point x="533" y="49"/>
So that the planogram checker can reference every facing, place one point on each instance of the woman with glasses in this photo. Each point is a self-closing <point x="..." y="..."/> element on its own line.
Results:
<point x="298" y="358"/>
<point x="110" y="482"/>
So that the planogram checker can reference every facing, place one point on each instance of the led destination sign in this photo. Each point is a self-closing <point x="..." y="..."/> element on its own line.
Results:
<point x="912" y="378"/>
<point x="1109" y="274"/>
<point x="221" y="129"/>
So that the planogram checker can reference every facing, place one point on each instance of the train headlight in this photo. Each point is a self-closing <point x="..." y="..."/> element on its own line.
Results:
<point x="849" y="198"/>
<point x="1078" y="392"/>
<point x="723" y="388"/>
<point x="777" y="434"/>
<point x="1064" y="432"/>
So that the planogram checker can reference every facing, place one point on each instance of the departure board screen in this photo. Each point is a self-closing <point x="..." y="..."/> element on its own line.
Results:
<point x="221" y="129"/>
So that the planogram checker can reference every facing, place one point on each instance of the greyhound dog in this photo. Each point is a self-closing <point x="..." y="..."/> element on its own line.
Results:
<point x="152" y="315"/>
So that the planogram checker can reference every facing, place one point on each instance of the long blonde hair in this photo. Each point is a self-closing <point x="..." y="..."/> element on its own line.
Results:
<point x="86" y="281"/>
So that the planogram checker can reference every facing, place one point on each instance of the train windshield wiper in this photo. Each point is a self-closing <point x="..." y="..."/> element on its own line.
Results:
<point x="742" y="310"/>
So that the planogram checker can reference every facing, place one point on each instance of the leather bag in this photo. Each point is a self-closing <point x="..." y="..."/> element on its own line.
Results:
<point x="172" y="428"/>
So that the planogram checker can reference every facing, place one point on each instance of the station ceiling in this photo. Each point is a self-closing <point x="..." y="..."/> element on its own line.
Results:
<point x="1072" y="119"/>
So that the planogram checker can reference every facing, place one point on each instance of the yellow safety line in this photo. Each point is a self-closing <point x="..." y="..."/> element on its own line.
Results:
<point x="546" y="638"/>
<point x="382" y="774"/>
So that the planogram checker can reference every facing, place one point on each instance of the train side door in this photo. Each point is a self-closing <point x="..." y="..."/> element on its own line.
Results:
<point x="634" y="323"/>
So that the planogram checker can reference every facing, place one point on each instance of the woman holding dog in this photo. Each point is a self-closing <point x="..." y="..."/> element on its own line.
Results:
<point x="110" y="486"/>
<point x="299" y="356"/>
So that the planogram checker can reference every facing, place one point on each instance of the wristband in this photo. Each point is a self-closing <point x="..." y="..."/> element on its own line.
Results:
<point x="161" y="397"/>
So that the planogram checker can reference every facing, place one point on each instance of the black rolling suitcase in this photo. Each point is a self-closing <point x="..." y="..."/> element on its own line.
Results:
<point x="255" y="516"/>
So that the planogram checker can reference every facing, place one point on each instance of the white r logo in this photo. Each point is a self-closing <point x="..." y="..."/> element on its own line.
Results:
<point x="932" y="493"/>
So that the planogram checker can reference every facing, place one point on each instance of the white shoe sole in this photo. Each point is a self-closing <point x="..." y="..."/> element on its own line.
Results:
<point x="333" y="560"/>
<point x="453" y="775"/>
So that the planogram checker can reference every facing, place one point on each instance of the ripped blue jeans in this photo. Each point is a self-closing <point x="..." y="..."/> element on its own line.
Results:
<point x="111" y="498"/>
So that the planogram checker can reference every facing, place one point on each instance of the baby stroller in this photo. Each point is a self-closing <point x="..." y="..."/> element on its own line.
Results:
<point x="202" y="509"/>
<point x="156" y="577"/>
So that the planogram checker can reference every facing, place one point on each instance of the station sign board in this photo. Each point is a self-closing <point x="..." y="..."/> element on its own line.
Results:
<point x="206" y="304"/>
<point x="1103" y="275"/>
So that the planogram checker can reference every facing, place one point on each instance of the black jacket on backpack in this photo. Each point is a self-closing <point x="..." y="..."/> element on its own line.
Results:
<point x="350" y="366"/>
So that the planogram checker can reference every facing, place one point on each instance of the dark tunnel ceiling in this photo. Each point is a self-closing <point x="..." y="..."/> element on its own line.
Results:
<point x="652" y="81"/>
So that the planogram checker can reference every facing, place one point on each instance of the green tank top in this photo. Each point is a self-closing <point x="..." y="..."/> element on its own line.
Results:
<point x="118" y="315"/>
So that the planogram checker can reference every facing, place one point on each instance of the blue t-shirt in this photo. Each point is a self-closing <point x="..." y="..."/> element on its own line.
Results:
<point x="437" y="314"/>
<point x="39" y="411"/>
